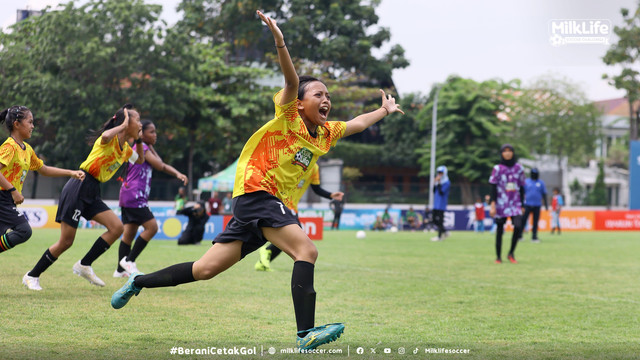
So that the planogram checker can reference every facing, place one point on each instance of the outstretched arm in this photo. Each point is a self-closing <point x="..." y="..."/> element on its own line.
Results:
<point x="288" y="70"/>
<point x="58" y="172"/>
<point x="158" y="164"/>
<point x="363" y="121"/>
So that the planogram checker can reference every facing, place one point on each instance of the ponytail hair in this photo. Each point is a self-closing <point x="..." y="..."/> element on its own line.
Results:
<point x="11" y="115"/>
<point x="116" y="120"/>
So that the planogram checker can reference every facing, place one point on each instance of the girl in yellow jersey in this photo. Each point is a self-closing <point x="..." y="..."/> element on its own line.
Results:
<point x="16" y="159"/>
<point x="82" y="198"/>
<point x="271" y="165"/>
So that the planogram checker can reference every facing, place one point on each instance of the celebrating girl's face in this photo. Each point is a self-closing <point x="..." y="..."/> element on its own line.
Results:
<point x="134" y="124"/>
<point x="316" y="103"/>
<point x="24" y="126"/>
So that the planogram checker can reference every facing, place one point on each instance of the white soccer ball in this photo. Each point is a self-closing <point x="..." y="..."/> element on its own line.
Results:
<point x="361" y="234"/>
<point x="393" y="229"/>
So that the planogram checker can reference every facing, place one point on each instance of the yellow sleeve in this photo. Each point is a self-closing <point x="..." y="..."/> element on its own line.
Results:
<point x="6" y="154"/>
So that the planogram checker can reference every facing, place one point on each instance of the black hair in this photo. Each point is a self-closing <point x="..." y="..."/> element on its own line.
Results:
<point x="116" y="120"/>
<point x="145" y="124"/>
<point x="11" y="115"/>
<point x="303" y="83"/>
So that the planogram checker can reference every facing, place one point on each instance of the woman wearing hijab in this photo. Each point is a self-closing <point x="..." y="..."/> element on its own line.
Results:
<point x="507" y="197"/>
<point x="441" y="195"/>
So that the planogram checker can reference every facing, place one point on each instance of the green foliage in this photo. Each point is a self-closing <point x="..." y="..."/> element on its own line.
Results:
<point x="553" y="116"/>
<point x="626" y="54"/>
<point x="204" y="109"/>
<point x="578" y="193"/>
<point x="339" y="35"/>
<point x="402" y="133"/>
<point x="598" y="195"/>
<point x="469" y="132"/>
<point x="75" y="67"/>
<point x="356" y="154"/>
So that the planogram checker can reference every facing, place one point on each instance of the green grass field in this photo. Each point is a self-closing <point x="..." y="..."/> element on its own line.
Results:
<point x="571" y="297"/>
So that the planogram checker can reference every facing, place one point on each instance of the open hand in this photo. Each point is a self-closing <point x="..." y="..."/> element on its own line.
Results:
<point x="275" y="30"/>
<point x="389" y="104"/>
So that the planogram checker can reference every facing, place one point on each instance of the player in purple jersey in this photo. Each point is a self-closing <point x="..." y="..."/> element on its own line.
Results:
<point x="134" y="196"/>
<point x="507" y="198"/>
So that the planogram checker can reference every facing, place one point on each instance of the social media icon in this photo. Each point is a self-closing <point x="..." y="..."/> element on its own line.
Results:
<point x="360" y="350"/>
<point x="387" y="350"/>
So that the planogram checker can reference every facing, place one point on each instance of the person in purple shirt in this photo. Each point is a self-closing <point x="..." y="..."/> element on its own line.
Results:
<point x="507" y="198"/>
<point x="134" y="196"/>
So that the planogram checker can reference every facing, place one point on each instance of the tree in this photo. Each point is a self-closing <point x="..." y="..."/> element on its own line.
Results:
<point x="626" y="53"/>
<point x="553" y="116"/>
<point x="338" y="35"/>
<point x="75" y="67"/>
<point x="469" y="132"/>
<point x="403" y="134"/>
<point x="598" y="195"/>
<point x="202" y="107"/>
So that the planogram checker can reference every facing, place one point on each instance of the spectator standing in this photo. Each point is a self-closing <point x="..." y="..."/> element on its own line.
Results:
<point x="535" y="193"/>
<point x="479" y="208"/>
<point x="215" y="204"/>
<point x="441" y="188"/>
<point x="557" y="202"/>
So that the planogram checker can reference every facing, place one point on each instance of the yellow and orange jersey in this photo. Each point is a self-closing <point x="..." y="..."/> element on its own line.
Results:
<point x="282" y="153"/>
<point x="18" y="162"/>
<point x="312" y="178"/>
<point x="104" y="160"/>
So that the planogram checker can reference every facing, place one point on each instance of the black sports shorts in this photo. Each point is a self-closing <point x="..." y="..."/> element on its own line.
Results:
<point x="10" y="217"/>
<point x="80" y="198"/>
<point x="251" y="212"/>
<point x="137" y="216"/>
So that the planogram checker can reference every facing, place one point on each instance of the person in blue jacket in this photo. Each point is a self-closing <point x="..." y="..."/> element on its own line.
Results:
<point x="535" y="193"/>
<point x="440" y="199"/>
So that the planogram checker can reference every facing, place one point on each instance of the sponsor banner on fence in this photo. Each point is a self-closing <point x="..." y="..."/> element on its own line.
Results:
<point x="170" y="225"/>
<point x="618" y="220"/>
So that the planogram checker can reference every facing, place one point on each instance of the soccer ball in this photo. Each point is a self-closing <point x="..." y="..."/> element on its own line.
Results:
<point x="393" y="229"/>
<point x="361" y="234"/>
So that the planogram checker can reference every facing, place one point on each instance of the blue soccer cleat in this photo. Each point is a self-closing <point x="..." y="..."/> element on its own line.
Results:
<point x="121" y="297"/>
<point x="320" y="335"/>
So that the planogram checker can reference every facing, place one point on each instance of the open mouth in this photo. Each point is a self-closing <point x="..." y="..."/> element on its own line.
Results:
<point x="324" y="111"/>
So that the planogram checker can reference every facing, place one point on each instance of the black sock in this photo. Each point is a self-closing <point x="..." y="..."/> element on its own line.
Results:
<point x="170" y="276"/>
<point x="499" y="232"/>
<point x="19" y="234"/>
<point x="123" y="251"/>
<point x="304" y="296"/>
<point x="275" y="251"/>
<point x="99" y="247"/>
<point x="43" y="264"/>
<point x="138" y="246"/>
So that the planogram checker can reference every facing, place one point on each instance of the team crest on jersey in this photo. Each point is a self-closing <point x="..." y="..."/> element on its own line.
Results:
<point x="303" y="158"/>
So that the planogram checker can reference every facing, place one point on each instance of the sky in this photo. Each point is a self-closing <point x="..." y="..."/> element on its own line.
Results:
<point x="482" y="40"/>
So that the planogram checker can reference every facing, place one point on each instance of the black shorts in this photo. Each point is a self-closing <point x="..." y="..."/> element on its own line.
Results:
<point x="251" y="212"/>
<point x="136" y="216"/>
<point x="10" y="217"/>
<point x="80" y="198"/>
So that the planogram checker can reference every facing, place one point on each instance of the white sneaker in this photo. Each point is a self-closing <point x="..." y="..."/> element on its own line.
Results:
<point x="118" y="274"/>
<point x="128" y="266"/>
<point x="87" y="273"/>
<point x="33" y="283"/>
<point x="436" y="239"/>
